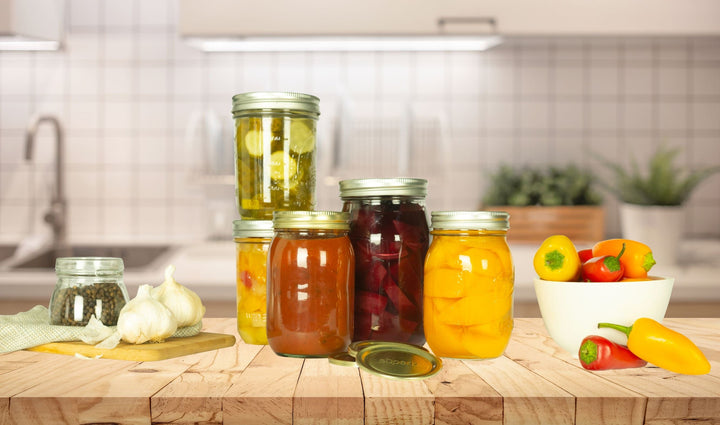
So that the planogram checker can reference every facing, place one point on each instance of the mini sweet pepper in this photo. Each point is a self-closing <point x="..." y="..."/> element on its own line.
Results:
<point x="663" y="347"/>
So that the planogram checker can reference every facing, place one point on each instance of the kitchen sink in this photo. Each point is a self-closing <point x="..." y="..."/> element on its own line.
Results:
<point x="134" y="256"/>
<point x="7" y="251"/>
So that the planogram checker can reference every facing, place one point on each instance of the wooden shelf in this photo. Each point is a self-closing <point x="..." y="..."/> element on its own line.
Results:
<point x="534" y="382"/>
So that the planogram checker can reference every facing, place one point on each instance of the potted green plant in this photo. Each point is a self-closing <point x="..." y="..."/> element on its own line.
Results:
<point x="652" y="200"/>
<point x="546" y="201"/>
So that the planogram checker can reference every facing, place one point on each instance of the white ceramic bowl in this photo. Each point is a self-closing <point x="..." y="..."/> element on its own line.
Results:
<point x="572" y="310"/>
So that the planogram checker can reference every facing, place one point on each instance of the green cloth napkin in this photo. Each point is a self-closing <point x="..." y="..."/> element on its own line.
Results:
<point x="32" y="328"/>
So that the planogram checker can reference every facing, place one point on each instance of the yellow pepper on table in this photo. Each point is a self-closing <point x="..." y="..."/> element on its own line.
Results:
<point x="557" y="259"/>
<point x="663" y="347"/>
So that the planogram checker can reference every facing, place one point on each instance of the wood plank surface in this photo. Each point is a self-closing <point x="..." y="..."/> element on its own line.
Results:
<point x="172" y="347"/>
<point x="535" y="382"/>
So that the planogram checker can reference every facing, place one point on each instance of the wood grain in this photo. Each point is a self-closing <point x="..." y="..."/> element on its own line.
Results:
<point x="392" y="401"/>
<point x="461" y="398"/>
<point x="534" y="382"/>
<point x="527" y="399"/>
<point x="264" y="394"/>
<point x="328" y="394"/>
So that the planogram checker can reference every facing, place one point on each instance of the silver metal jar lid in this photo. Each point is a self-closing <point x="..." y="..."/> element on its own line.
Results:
<point x="399" y="186"/>
<point x="326" y="220"/>
<point x="276" y="100"/>
<point x="470" y="220"/>
<point x="252" y="228"/>
<point x="89" y="266"/>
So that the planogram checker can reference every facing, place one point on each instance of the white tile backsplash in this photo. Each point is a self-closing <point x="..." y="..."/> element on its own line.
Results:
<point x="126" y="88"/>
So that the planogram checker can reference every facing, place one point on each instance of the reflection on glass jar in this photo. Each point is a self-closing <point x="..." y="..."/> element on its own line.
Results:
<point x="310" y="278"/>
<point x="275" y="145"/>
<point x="389" y="232"/>
<point x="469" y="281"/>
<point x="252" y="240"/>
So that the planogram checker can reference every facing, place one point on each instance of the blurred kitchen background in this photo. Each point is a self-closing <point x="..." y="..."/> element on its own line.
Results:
<point x="148" y="132"/>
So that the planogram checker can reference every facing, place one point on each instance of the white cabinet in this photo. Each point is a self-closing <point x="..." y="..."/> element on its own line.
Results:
<point x="32" y="19"/>
<point x="393" y="17"/>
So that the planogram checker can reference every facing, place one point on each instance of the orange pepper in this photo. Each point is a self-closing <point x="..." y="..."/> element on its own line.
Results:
<point x="637" y="259"/>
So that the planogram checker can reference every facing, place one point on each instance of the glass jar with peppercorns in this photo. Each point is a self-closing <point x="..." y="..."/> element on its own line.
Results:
<point x="88" y="286"/>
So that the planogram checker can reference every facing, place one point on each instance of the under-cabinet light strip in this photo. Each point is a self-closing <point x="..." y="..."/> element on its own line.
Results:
<point x="340" y="44"/>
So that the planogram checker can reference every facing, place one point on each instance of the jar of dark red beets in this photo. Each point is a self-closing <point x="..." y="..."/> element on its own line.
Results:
<point x="390" y="237"/>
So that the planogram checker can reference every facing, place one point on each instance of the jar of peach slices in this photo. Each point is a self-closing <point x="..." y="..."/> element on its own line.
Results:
<point x="469" y="280"/>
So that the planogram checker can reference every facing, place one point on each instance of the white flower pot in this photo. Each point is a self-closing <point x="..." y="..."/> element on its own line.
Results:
<point x="659" y="227"/>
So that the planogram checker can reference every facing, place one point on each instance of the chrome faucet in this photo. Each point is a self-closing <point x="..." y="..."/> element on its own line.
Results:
<point x="57" y="215"/>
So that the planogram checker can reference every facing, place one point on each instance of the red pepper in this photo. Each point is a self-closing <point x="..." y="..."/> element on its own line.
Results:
<point x="598" y="353"/>
<point x="604" y="269"/>
<point x="585" y="254"/>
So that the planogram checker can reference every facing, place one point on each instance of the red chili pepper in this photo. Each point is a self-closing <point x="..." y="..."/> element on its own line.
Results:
<point x="585" y="254"/>
<point x="598" y="353"/>
<point x="604" y="269"/>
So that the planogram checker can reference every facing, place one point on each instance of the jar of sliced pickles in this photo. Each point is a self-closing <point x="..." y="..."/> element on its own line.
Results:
<point x="252" y="240"/>
<point x="275" y="143"/>
<point x="310" y="277"/>
<point x="469" y="280"/>
<point x="389" y="232"/>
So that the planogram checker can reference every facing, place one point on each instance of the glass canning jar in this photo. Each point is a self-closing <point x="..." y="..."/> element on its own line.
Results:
<point x="310" y="277"/>
<point x="275" y="144"/>
<point x="252" y="240"/>
<point x="88" y="286"/>
<point x="469" y="281"/>
<point x="390" y="237"/>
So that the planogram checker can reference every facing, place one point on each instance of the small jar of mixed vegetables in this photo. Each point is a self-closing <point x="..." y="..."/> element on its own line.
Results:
<point x="252" y="240"/>
<point x="469" y="281"/>
<point x="275" y="139"/>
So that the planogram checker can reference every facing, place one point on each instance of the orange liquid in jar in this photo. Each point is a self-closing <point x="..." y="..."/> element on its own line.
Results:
<point x="311" y="293"/>
<point x="468" y="294"/>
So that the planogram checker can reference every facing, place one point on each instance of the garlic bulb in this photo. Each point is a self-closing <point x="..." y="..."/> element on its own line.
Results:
<point x="184" y="304"/>
<point x="145" y="319"/>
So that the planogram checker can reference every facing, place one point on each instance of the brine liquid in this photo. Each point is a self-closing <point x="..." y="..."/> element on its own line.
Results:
<point x="469" y="281"/>
<point x="274" y="164"/>
<point x="310" y="296"/>
<point x="390" y="239"/>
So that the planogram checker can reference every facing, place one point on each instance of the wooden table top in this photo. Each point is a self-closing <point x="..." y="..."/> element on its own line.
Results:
<point x="534" y="382"/>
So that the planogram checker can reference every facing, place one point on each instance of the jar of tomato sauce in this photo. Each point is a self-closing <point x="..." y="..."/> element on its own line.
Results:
<point x="311" y="269"/>
<point x="252" y="240"/>
<point x="469" y="281"/>
<point x="390" y="236"/>
<point x="275" y="145"/>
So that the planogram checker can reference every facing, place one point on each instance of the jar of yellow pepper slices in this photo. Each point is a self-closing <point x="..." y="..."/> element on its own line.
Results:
<point x="252" y="240"/>
<point x="469" y="281"/>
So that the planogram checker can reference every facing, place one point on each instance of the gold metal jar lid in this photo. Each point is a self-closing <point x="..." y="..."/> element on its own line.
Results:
<point x="342" y="359"/>
<point x="323" y="220"/>
<point x="470" y="220"/>
<point x="398" y="361"/>
<point x="400" y="186"/>
<point x="252" y="229"/>
<point x="291" y="101"/>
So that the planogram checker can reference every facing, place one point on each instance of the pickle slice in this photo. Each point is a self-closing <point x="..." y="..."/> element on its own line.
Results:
<point x="254" y="142"/>
<point x="279" y="162"/>
<point x="302" y="138"/>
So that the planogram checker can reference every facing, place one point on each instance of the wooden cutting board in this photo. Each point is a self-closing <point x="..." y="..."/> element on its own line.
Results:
<point x="172" y="347"/>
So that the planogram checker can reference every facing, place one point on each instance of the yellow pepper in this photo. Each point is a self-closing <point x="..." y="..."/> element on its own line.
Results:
<point x="557" y="259"/>
<point x="663" y="347"/>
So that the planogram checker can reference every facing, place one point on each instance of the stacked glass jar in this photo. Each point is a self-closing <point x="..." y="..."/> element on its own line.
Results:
<point x="275" y="139"/>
